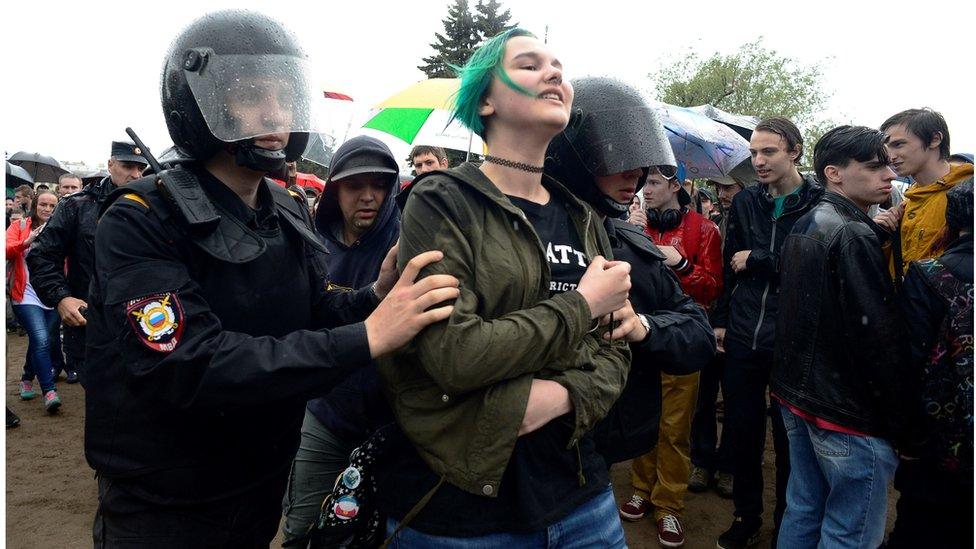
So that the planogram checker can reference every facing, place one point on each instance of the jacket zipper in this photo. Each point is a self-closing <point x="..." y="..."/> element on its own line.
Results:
<point x="762" y="305"/>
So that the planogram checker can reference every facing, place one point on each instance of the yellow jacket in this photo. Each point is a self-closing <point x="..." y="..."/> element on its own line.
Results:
<point x="924" y="217"/>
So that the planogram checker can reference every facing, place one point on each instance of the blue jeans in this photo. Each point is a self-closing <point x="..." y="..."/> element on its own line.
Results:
<point x="837" y="495"/>
<point x="38" y="321"/>
<point x="57" y="358"/>
<point x="593" y="524"/>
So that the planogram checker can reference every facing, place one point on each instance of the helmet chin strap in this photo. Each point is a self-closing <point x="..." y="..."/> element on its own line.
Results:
<point x="249" y="155"/>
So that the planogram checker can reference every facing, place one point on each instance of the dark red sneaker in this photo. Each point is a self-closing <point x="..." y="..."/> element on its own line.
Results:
<point x="669" y="532"/>
<point x="635" y="509"/>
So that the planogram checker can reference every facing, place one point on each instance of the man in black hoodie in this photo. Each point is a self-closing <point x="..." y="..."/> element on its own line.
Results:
<point x="358" y="221"/>
<point x="745" y="316"/>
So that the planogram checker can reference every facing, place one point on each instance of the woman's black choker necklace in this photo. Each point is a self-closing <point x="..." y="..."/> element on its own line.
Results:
<point x="512" y="164"/>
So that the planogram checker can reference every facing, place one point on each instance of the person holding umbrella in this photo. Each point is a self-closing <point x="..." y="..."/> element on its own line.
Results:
<point x="70" y="237"/>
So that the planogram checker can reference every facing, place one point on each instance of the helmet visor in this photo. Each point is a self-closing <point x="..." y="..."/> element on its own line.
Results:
<point x="246" y="96"/>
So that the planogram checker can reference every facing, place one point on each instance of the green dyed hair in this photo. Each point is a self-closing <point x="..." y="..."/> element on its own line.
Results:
<point x="476" y="75"/>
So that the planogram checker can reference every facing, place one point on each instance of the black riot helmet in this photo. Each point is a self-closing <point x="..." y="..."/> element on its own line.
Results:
<point x="231" y="76"/>
<point x="611" y="130"/>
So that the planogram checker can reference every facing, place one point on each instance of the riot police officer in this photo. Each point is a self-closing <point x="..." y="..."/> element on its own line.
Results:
<point x="604" y="156"/>
<point x="211" y="318"/>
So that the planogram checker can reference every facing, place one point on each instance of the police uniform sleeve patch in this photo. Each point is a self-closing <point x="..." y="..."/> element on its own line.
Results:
<point x="157" y="321"/>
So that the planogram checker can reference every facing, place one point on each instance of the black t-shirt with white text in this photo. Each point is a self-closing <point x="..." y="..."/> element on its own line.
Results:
<point x="541" y="484"/>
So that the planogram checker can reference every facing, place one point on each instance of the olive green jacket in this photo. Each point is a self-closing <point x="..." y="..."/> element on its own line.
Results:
<point x="460" y="389"/>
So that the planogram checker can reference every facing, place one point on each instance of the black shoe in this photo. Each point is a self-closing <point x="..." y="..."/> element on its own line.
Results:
<point x="12" y="419"/>
<point x="72" y="377"/>
<point x="743" y="533"/>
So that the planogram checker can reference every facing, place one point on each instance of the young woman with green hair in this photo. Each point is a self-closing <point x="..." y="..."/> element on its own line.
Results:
<point x="498" y="400"/>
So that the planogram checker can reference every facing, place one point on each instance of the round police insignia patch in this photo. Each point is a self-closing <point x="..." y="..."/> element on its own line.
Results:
<point x="157" y="321"/>
<point x="351" y="477"/>
<point x="346" y="508"/>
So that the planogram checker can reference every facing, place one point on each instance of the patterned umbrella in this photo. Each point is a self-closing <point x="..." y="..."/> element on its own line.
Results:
<point x="41" y="168"/>
<point x="707" y="148"/>
<point x="741" y="123"/>
<point x="420" y="114"/>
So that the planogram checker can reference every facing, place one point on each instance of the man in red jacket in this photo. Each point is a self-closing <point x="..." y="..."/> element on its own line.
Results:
<point x="694" y="252"/>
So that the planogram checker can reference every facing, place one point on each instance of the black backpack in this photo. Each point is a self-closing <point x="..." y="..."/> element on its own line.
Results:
<point x="947" y="377"/>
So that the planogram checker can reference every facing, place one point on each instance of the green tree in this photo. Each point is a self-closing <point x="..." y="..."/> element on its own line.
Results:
<point x="754" y="80"/>
<point x="490" y="21"/>
<point x="454" y="45"/>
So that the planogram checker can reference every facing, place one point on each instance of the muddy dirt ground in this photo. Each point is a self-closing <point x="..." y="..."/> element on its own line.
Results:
<point x="51" y="491"/>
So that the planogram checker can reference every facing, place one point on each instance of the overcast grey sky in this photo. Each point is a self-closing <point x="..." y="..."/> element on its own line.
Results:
<point x="77" y="74"/>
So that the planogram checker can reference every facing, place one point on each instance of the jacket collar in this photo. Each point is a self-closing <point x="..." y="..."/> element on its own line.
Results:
<point x="102" y="189"/>
<point x="854" y="212"/>
<point x="810" y="192"/>
<point x="477" y="180"/>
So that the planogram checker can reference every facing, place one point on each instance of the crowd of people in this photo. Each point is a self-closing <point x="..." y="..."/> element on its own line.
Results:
<point x="457" y="361"/>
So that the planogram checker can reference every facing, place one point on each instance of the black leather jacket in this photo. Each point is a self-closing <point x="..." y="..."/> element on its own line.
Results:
<point x="69" y="235"/>
<point x="841" y="354"/>
<point x="748" y="304"/>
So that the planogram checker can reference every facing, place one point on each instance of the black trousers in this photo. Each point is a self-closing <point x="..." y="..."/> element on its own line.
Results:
<point x="74" y="350"/>
<point x="935" y="509"/>
<point x="706" y="449"/>
<point x="746" y="409"/>
<point x="247" y="521"/>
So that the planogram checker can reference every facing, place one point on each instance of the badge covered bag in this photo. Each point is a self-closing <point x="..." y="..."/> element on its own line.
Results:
<point x="157" y="321"/>
<point x="349" y="517"/>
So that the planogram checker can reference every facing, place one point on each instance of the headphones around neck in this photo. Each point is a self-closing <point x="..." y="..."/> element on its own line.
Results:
<point x="665" y="220"/>
<point x="791" y="200"/>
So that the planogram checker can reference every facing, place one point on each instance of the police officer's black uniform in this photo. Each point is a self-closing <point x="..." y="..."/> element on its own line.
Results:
<point x="211" y="323"/>
<point x="613" y="131"/>
<point x="201" y="358"/>
<point x="70" y="235"/>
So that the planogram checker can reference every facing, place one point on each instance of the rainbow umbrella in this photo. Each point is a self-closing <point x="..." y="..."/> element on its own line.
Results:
<point x="421" y="115"/>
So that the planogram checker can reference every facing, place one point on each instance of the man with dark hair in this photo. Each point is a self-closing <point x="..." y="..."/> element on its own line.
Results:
<point x="840" y="375"/>
<point x="69" y="183"/>
<point x="919" y="148"/>
<point x="745" y="316"/>
<point x="70" y="236"/>
<point x="426" y="158"/>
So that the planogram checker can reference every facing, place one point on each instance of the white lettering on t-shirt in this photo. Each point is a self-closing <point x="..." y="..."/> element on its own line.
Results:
<point x="563" y="256"/>
<point x="555" y="286"/>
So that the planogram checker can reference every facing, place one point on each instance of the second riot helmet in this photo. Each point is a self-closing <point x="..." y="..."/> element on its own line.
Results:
<point x="611" y="130"/>
<point x="232" y="76"/>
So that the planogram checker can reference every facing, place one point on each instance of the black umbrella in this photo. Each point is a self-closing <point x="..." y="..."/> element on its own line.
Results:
<point x="741" y="123"/>
<point x="40" y="167"/>
<point x="17" y="176"/>
<point x="93" y="177"/>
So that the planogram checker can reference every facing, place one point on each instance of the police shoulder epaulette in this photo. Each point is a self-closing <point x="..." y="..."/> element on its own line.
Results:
<point x="293" y="193"/>
<point x="137" y="199"/>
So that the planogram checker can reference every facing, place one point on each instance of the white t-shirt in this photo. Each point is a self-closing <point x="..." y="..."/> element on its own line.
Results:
<point x="30" y="296"/>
